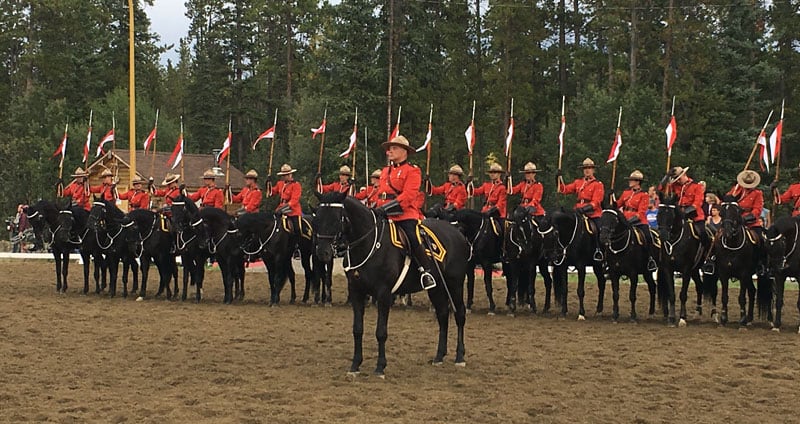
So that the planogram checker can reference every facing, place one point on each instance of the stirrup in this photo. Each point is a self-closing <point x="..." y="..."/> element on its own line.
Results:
<point x="426" y="280"/>
<point x="598" y="256"/>
<point x="652" y="266"/>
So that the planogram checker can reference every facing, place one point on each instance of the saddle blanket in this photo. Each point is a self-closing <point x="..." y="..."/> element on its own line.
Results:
<point x="433" y="247"/>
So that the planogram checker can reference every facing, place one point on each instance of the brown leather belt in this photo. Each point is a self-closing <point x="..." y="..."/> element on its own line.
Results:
<point x="386" y="196"/>
<point x="630" y="209"/>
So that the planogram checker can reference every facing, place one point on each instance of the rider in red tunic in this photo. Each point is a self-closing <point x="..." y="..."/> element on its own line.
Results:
<point x="341" y="186"/>
<point x="589" y="191"/>
<point x="250" y="196"/>
<point x="369" y="195"/>
<point x="531" y="190"/>
<point x="210" y="196"/>
<point x="108" y="188"/>
<point x="495" y="192"/>
<point x="634" y="203"/>
<point x="289" y="192"/>
<point x="171" y="189"/>
<point x="77" y="189"/>
<point x="398" y="194"/>
<point x="790" y="197"/>
<point x="137" y="198"/>
<point x="750" y="198"/>
<point x="454" y="190"/>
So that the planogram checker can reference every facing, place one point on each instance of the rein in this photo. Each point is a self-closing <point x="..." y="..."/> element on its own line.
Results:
<point x="264" y="243"/>
<point x="562" y="246"/>
<point x="375" y="243"/>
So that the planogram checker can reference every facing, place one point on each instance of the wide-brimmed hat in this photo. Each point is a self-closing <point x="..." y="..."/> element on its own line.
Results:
<point x="748" y="178"/>
<point x="636" y="175"/>
<point x="456" y="170"/>
<point x="375" y="174"/>
<point x="137" y="180"/>
<point x="251" y="174"/>
<point x="345" y="170"/>
<point x="106" y="173"/>
<point x="79" y="172"/>
<point x="286" y="169"/>
<point x="170" y="178"/>
<point x="529" y="167"/>
<point x="210" y="174"/>
<point x="401" y="142"/>
<point x="495" y="167"/>
<point x="587" y="163"/>
<point x="677" y="172"/>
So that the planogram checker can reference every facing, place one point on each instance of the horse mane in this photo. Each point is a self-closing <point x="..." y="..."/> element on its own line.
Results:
<point x="469" y="216"/>
<point x="729" y="198"/>
<point x="254" y="222"/>
<point x="45" y="207"/>
<point x="216" y="216"/>
<point x="141" y="216"/>
<point x="112" y="210"/>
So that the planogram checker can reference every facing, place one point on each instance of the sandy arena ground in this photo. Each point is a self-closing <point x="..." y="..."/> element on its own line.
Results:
<point x="73" y="358"/>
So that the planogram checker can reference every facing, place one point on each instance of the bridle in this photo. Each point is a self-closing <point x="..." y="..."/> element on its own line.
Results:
<point x="263" y="243"/>
<point x="616" y="236"/>
<point x="377" y="235"/>
<point x="736" y="226"/>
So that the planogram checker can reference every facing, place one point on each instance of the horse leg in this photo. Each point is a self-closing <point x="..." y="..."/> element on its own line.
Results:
<point x="581" y="292"/>
<point x="698" y="287"/>
<point x="562" y="281"/>
<point x="113" y="270"/>
<point x="198" y="283"/>
<point x="779" y="282"/>
<point x="470" y="285"/>
<point x="381" y="331"/>
<point x="723" y="319"/>
<point x="357" y="301"/>
<point x="487" y="283"/>
<point x="651" y="289"/>
<point x="614" y="297"/>
<point x="548" y="286"/>
<point x="442" y="306"/>
<point x="308" y="274"/>
<point x="86" y="264"/>
<point x="145" y="267"/>
<point x="57" y="259"/>
<point x="125" y="268"/>
<point x="174" y="277"/>
<point x="328" y="269"/>
<point x="751" y="297"/>
<point x="601" y="287"/>
<point x="634" y="280"/>
<point x="290" y="271"/>
<point x="685" y="280"/>
<point x="188" y="270"/>
<point x="512" y="283"/>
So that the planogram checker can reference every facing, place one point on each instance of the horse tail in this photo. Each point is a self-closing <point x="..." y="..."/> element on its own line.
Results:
<point x="710" y="286"/>
<point x="662" y="286"/>
<point x="764" y="293"/>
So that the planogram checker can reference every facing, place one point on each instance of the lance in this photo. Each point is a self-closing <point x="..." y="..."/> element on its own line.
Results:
<point x="470" y="185"/>
<point x="559" y="179"/>
<point x="60" y="185"/>
<point x="778" y="156"/>
<point x="669" y="149"/>
<point x="428" y="153"/>
<point x="322" y="142"/>
<point x="114" y="145"/>
<point x="183" y="147"/>
<point x="509" y="138"/>
<point x="272" y="143"/>
<point x="614" y="165"/>
<point x="86" y="156"/>
<point x="355" y="145"/>
<point x="228" y="194"/>
<point x="366" y="159"/>
<point x="753" y="152"/>
<point x="153" y="159"/>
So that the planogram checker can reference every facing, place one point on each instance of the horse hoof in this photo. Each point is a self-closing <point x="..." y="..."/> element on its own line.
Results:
<point x="469" y="311"/>
<point x="490" y="313"/>
<point x="776" y="329"/>
<point x="353" y="374"/>
<point x="715" y="317"/>
<point x="140" y="298"/>
<point x="380" y="375"/>
<point x="581" y="318"/>
<point x="743" y="328"/>
<point x="436" y="362"/>
<point x="682" y="323"/>
<point x="511" y="314"/>
<point x="461" y="364"/>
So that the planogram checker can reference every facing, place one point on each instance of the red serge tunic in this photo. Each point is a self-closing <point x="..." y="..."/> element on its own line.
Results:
<point x="589" y="191"/>
<point x="495" y="193"/>
<point x="401" y="182"/>
<point x="250" y="198"/>
<point x="289" y="192"/>
<point x="211" y="197"/>
<point x="751" y="201"/>
<point x="454" y="194"/>
<point x="78" y="194"/>
<point x="137" y="199"/>
<point x="531" y="195"/>
<point x="792" y="195"/>
<point x="690" y="194"/>
<point x="634" y="203"/>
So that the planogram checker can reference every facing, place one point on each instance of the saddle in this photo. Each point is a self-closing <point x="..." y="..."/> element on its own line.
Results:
<point x="289" y="224"/>
<point x="433" y="247"/>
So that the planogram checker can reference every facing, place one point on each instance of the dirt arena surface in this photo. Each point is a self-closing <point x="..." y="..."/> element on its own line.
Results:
<point x="77" y="358"/>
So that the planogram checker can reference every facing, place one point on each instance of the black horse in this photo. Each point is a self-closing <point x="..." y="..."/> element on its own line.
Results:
<point x="374" y="266"/>
<point x="73" y="231"/>
<point x="109" y="225"/>
<point x="626" y="251"/>
<point x="737" y="251"/>
<point x="577" y="247"/>
<point x="44" y="216"/>
<point x="191" y="243"/>
<point x="524" y="247"/>
<point x="682" y="251"/>
<point x="153" y="242"/>
<point x="784" y="259"/>
<point x="485" y="238"/>
<point x="323" y="275"/>
<point x="217" y="236"/>
<point x="263" y="235"/>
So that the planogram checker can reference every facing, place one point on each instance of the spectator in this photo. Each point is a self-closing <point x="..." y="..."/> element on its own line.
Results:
<point x="20" y="225"/>
<point x="714" y="220"/>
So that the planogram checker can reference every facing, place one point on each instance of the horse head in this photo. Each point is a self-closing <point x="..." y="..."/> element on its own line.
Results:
<point x="731" y="214"/>
<point x="97" y="214"/>
<point x="781" y="241"/>
<point x="328" y="224"/>
<point x="70" y="221"/>
<point x="669" y="217"/>
<point x="186" y="220"/>
<point x="611" y="222"/>
<point x="42" y="216"/>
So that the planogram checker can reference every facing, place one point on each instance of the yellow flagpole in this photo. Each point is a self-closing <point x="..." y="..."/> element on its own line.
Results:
<point x="132" y="92"/>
